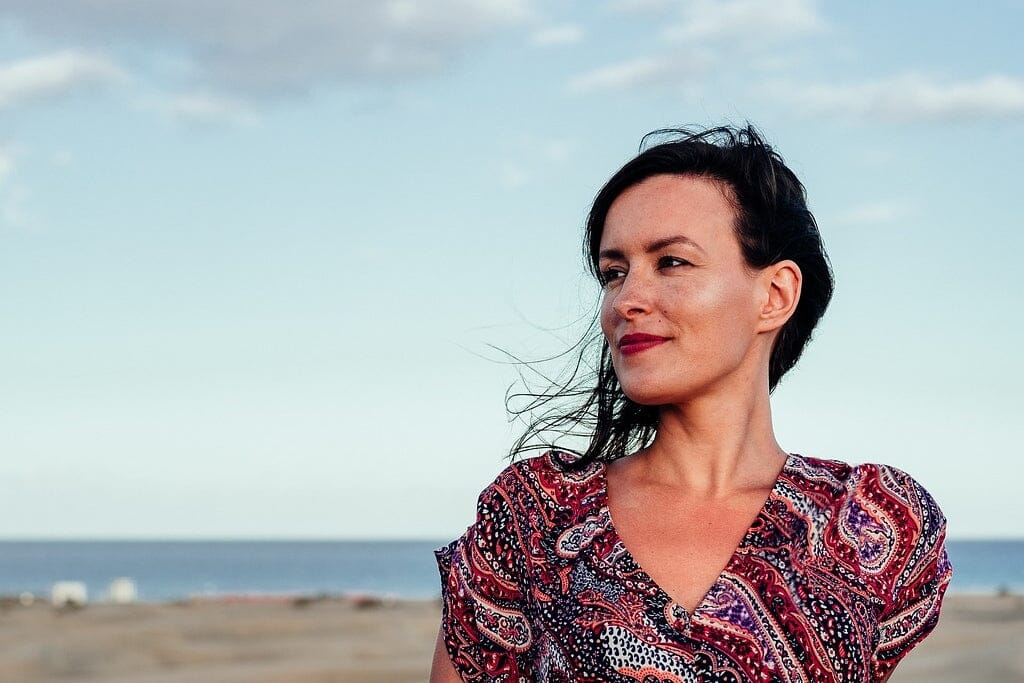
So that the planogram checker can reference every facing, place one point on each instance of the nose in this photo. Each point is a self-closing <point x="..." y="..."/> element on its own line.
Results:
<point x="632" y="297"/>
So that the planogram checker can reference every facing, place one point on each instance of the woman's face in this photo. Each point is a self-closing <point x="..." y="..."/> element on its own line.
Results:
<point x="681" y="308"/>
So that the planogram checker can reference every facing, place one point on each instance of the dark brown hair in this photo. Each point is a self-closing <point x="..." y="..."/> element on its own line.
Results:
<point x="773" y="224"/>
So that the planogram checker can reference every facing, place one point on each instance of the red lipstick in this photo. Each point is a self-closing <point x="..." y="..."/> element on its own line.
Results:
<point x="637" y="342"/>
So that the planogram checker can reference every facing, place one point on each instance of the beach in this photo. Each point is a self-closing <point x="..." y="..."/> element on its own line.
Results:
<point x="979" y="639"/>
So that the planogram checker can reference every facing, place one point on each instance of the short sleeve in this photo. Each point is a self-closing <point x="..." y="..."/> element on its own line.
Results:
<point x="921" y="574"/>
<point x="484" y="622"/>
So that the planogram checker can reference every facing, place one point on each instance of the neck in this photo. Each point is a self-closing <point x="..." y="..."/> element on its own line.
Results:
<point x="715" y="444"/>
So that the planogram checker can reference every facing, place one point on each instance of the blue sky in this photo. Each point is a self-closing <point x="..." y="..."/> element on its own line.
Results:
<point x="254" y="255"/>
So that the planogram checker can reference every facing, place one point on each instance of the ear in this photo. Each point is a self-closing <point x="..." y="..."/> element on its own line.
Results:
<point x="781" y="293"/>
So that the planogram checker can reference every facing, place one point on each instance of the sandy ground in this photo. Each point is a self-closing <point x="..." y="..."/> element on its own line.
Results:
<point x="979" y="639"/>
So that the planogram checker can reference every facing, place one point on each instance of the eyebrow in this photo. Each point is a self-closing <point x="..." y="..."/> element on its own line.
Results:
<point x="657" y="245"/>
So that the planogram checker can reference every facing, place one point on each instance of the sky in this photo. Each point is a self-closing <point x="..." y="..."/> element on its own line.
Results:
<point x="263" y="265"/>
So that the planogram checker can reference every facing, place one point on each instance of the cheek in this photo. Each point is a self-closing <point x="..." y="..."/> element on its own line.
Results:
<point x="729" y="307"/>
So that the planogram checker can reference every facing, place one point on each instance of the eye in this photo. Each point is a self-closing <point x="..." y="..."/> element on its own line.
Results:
<point x="672" y="262"/>
<point x="606" y="276"/>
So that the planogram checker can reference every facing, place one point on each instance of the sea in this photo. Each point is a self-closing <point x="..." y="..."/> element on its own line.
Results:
<point x="177" y="570"/>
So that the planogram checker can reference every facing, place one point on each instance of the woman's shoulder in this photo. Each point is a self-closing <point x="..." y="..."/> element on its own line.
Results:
<point x="872" y="484"/>
<point x="549" y="486"/>
<point x="873" y="512"/>
<point x="551" y="468"/>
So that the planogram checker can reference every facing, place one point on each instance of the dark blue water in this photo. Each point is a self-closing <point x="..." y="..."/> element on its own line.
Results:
<point x="984" y="566"/>
<point x="168" y="570"/>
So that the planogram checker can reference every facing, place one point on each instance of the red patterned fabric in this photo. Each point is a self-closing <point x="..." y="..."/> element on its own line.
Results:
<point x="839" y="576"/>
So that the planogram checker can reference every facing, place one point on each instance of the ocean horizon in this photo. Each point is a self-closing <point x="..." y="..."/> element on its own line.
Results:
<point x="168" y="570"/>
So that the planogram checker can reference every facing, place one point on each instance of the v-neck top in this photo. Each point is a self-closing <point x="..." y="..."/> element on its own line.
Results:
<point x="841" y="573"/>
<point x="736" y="553"/>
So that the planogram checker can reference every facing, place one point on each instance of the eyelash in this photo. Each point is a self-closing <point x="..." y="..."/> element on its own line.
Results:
<point x="607" y="275"/>
<point x="663" y="262"/>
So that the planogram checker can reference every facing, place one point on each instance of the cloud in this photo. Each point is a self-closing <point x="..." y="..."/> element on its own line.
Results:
<point x="555" y="151"/>
<point x="534" y="158"/>
<point x="910" y="98"/>
<point x="563" y="34"/>
<point x="629" y="75"/>
<point x="512" y="176"/>
<point x="13" y="194"/>
<point x="706" y="35"/>
<point x="746" y="22"/>
<point x="63" y="158"/>
<point x="54" y="75"/>
<point x="270" y="47"/>
<point x="642" y="6"/>
<point x="7" y="163"/>
<point x="13" y="206"/>
<point x="205" y="108"/>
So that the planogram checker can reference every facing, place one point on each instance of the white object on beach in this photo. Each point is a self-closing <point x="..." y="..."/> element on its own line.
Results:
<point x="122" y="591"/>
<point x="26" y="599"/>
<point x="68" y="594"/>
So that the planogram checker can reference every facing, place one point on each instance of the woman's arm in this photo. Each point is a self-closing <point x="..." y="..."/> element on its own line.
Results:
<point x="442" y="670"/>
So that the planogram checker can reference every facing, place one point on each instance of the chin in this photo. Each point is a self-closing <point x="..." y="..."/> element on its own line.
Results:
<point x="659" y="392"/>
<point x="650" y="395"/>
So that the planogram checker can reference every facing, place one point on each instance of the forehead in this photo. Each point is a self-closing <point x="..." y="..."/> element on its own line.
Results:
<point x="701" y="209"/>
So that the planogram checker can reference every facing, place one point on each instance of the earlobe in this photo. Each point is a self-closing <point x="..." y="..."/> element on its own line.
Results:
<point x="782" y="293"/>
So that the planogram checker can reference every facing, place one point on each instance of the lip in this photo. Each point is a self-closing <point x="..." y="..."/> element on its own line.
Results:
<point x="638" y="341"/>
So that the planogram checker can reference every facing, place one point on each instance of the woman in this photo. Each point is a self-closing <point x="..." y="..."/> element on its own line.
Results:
<point x="684" y="544"/>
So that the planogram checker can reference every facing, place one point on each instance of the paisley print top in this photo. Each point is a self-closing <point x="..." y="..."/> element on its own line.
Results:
<point x="838" y="577"/>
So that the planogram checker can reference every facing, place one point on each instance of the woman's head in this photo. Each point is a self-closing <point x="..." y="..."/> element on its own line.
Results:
<point x="683" y="313"/>
<point x="772" y="223"/>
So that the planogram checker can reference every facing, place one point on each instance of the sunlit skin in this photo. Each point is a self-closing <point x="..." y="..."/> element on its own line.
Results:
<point x="672" y="267"/>
<point x="674" y="274"/>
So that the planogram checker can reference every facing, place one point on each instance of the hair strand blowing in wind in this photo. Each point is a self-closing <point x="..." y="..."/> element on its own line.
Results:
<point x="773" y="224"/>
